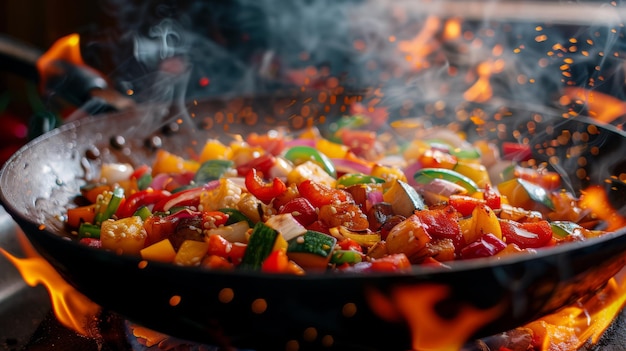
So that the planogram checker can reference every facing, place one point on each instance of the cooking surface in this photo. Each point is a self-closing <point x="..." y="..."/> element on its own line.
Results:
<point x="27" y="322"/>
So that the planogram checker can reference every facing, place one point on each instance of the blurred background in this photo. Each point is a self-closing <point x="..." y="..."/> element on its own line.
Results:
<point x="40" y="23"/>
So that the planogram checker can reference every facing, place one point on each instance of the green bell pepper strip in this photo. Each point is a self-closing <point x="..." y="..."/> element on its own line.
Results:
<point x="302" y="153"/>
<point x="426" y="175"/>
<point x="212" y="170"/>
<point x="351" y="257"/>
<point x="358" y="178"/>
<point x="88" y="230"/>
<point x="114" y="203"/>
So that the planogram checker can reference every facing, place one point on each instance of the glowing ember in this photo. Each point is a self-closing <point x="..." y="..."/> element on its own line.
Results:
<point x="72" y="309"/>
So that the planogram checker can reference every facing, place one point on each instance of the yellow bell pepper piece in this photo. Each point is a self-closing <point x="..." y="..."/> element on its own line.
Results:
<point x="191" y="253"/>
<point x="161" y="251"/>
<point x="167" y="162"/>
<point x="215" y="150"/>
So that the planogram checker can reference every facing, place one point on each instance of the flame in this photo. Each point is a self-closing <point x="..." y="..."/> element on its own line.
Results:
<point x="72" y="309"/>
<point x="573" y="327"/>
<point x="423" y="44"/>
<point x="595" y="199"/>
<point x="482" y="91"/>
<point x="65" y="49"/>
<point x="601" y="107"/>
<point x="430" y="331"/>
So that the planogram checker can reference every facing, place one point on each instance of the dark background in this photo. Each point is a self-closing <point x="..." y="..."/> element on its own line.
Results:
<point x="39" y="23"/>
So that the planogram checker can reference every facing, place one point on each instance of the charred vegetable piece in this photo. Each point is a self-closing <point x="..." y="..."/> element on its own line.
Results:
<point x="426" y="175"/>
<point x="403" y="198"/>
<point x="311" y="250"/>
<point x="260" y="245"/>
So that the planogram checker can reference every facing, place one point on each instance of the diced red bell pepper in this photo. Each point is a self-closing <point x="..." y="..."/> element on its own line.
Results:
<point x="516" y="151"/>
<point x="189" y="197"/>
<point x="319" y="194"/>
<point x="442" y="223"/>
<point x="349" y="244"/>
<point x="262" y="191"/>
<point x="391" y="263"/>
<point x="262" y="164"/>
<point x="464" y="204"/>
<point x="219" y="246"/>
<point x="526" y="235"/>
<point x="141" y="198"/>
<point x="140" y="171"/>
<point x="301" y="209"/>
<point x="488" y="245"/>
<point x="492" y="197"/>
<point x="213" y="219"/>
<point x="276" y="262"/>
<point x="273" y="144"/>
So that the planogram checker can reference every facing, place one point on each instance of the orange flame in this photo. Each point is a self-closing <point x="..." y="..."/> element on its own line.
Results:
<point x="482" y="91"/>
<point x="422" y="45"/>
<point x="573" y="327"/>
<point x="72" y="309"/>
<point x="601" y="107"/>
<point x="414" y="304"/>
<point x="595" y="199"/>
<point x="64" y="49"/>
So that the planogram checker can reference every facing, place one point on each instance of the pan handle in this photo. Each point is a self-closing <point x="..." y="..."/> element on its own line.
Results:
<point x="76" y="85"/>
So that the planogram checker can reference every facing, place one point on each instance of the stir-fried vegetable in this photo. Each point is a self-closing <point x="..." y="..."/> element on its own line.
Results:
<point x="280" y="204"/>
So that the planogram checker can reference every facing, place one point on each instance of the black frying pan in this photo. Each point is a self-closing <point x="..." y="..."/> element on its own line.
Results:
<point x="220" y="308"/>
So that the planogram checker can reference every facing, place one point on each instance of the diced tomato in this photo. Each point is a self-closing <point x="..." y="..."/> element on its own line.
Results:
<point x="273" y="144"/>
<point x="391" y="263"/>
<point x="318" y="226"/>
<point x="360" y="142"/>
<point x="344" y="214"/>
<point x="216" y="262"/>
<point x="442" y="223"/>
<point x="349" y="244"/>
<point x="488" y="245"/>
<point x="219" y="246"/>
<point x="492" y="197"/>
<point x="319" y="194"/>
<point x="433" y="158"/>
<point x="464" y="204"/>
<point x="301" y="209"/>
<point x="516" y="151"/>
<point x="213" y="219"/>
<point x="264" y="192"/>
<point x="262" y="164"/>
<point x="526" y="235"/>
<point x="91" y="242"/>
<point x="140" y="198"/>
<point x="140" y="171"/>
<point x="544" y="178"/>
<point x="276" y="262"/>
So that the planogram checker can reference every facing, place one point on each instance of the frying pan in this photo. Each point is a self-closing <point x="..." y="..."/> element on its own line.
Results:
<point x="270" y="312"/>
<point x="222" y="308"/>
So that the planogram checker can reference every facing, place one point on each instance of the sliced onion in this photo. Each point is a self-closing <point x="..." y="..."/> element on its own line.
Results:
<point x="299" y="142"/>
<point x="410" y="170"/>
<point x="115" y="172"/>
<point x="343" y="165"/>
<point x="159" y="181"/>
